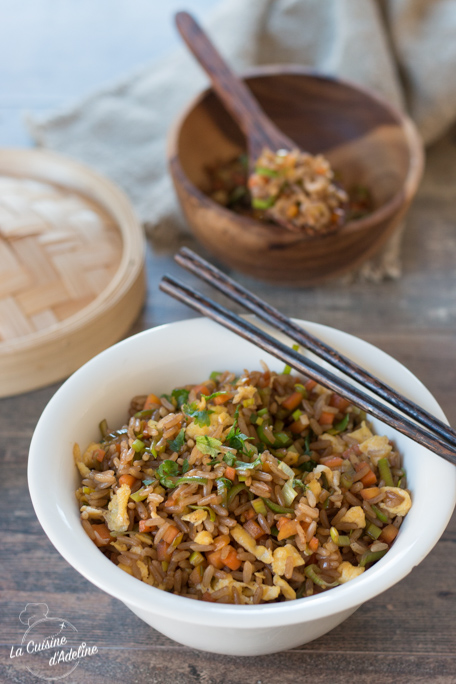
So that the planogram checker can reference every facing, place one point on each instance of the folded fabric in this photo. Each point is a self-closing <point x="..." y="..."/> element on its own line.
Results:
<point x="403" y="49"/>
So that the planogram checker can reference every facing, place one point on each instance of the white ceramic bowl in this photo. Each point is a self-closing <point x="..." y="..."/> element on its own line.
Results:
<point x="157" y="360"/>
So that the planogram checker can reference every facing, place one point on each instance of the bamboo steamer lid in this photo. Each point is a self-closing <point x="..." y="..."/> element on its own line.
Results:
<point x="71" y="267"/>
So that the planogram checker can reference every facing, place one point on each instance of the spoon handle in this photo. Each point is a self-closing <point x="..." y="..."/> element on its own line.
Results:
<point x="233" y="92"/>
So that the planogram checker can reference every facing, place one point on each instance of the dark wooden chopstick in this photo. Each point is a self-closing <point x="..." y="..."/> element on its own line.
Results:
<point x="231" y="289"/>
<point x="305" y="366"/>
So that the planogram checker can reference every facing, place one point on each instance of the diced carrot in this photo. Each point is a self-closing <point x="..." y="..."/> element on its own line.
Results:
<point x="332" y="461"/>
<point x="369" y="479"/>
<point x="152" y="400"/>
<point x="370" y="493"/>
<point x="201" y="389"/>
<point x="249" y="514"/>
<point x="170" y="534"/>
<point x="100" y="454"/>
<point x="254" y="529"/>
<point x="389" y="534"/>
<point x="231" y="560"/>
<point x="128" y="480"/>
<point x="144" y="526"/>
<point x="223" y="398"/>
<point x="214" y="559"/>
<point x="286" y="527"/>
<point x="207" y="597"/>
<point x="313" y="544"/>
<point x="104" y="534"/>
<point x="292" y="402"/>
<point x="339" y="402"/>
<point x="310" y="384"/>
<point x="296" y="427"/>
<point x="326" y="418"/>
<point x="230" y="473"/>
<point x="163" y="551"/>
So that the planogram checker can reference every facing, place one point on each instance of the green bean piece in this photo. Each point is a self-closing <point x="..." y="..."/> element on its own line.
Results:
<point x="385" y="472"/>
<point x="234" y="491"/>
<point x="138" y="446"/>
<point x="144" y="414"/>
<point x="190" y="480"/>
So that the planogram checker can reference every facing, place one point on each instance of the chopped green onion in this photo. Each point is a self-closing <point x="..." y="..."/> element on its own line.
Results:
<point x="253" y="418"/>
<point x="138" y="446"/>
<point x="148" y="482"/>
<point x="196" y="558"/>
<point x="115" y="434"/>
<point x="371" y="557"/>
<point x="287" y="369"/>
<point x="276" y="508"/>
<point x="300" y="388"/>
<point x="190" y="480"/>
<point x="380" y="515"/>
<point x="289" y="494"/>
<point x="373" y="531"/>
<point x="274" y="531"/>
<point x="258" y="203"/>
<point x="144" y="414"/>
<point x="248" y="402"/>
<point x="215" y="375"/>
<point x="242" y="465"/>
<point x="311" y="571"/>
<point x="262" y="412"/>
<point x="296" y="414"/>
<point x="234" y="491"/>
<point x="139" y="495"/>
<point x="308" y="466"/>
<point x="264" y="171"/>
<point x="259" y="507"/>
<point x="346" y="481"/>
<point x="341" y="425"/>
<point x="385" y="472"/>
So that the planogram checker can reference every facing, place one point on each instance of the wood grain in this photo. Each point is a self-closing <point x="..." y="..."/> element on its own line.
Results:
<point x="365" y="140"/>
<point x="405" y="636"/>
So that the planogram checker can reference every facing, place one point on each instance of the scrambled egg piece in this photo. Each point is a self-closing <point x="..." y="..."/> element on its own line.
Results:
<point x="349" y="571"/>
<point x="119" y="546"/>
<point x="376" y="447"/>
<point x="117" y="518"/>
<point x="361" y="434"/>
<point x="280" y="556"/>
<point x="337" y="445"/>
<point x="245" y="392"/>
<point x="204" y="538"/>
<point x="315" y="487"/>
<point x="355" y="515"/>
<point x="284" y="587"/>
<point x="270" y="593"/>
<point x="401" y="508"/>
<point x="125" y="568"/>
<point x="246" y="540"/>
<point x="143" y="569"/>
<point x="195" y="517"/>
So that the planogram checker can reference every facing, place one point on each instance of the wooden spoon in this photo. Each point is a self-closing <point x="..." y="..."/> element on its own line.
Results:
<point x="257" y="127"/>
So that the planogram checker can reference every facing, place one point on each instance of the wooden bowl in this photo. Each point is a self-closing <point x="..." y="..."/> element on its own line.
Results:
<point x="366" y="139"/>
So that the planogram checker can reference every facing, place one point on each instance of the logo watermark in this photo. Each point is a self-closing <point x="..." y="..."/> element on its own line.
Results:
<point x="51" y="647"/>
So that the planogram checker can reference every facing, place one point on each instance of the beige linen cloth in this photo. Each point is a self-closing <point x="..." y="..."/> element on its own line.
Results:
<point x="405" y="50"/>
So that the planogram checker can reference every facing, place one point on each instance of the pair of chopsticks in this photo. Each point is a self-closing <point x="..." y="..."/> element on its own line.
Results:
<point x="425" y="429"/>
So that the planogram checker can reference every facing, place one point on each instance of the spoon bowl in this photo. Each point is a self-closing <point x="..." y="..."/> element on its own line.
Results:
<point x="368" y="141"/>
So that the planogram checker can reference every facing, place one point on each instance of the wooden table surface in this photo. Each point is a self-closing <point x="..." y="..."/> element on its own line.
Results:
<point x="52" y="52"/>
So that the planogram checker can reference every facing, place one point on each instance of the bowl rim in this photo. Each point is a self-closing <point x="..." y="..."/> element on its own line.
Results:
<point x="398" y="202"/>
<point x="138" y="595"/>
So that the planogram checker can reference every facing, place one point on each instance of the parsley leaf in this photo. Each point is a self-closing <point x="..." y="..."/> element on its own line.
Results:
<point x="181" y="396"/>
<point x="208" y="445"/>
<point x="298" y="483"/>
<point x="242" y="465"/>
<point x="166" y="471"/>
<point x="148" y="482"/>
<point x="177" y="443"/>
<point x="185" y="466"/>
<point x="230" y="459"/>
<point x="235" y="438"/>
<point x="201" y="417"/>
